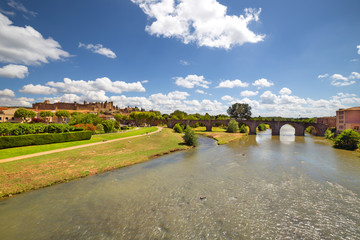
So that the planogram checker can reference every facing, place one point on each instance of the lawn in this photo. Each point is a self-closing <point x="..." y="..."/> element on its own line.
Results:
<point x="33" y="173"/>
<point x="219" y="134"/>
<point x="19" y="151"/>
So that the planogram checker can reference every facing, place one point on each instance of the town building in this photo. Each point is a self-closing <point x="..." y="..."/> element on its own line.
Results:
<point x="94" y="107"/>
<point x="348" y="118"/>
<point x="330" y="121"/>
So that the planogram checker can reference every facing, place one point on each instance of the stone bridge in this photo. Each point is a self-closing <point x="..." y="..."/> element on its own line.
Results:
<point x="275" y="126"/>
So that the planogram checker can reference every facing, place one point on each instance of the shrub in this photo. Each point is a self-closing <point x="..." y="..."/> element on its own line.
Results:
<point x="348" y="139"/>
<point x="54" y="128"/>
<point x="328" y="134"/>
<point x="37" y="120"/>
<point x="233" y="126"/>
<point x="40" y="139"/>
<point x="117" y="125"/>
<point x="243" y="129"/>
<point x="108" y="125"/>
<point x="190" y="138"/>
<point x="177" y="128"/>
<point x="100" y="127"/>
<point x="262" y="127"/>
<point x="89" y="127"/>
<point x="124" y="127"/>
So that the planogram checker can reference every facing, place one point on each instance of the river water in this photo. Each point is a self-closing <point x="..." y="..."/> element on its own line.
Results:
<point x="262" y="187"/>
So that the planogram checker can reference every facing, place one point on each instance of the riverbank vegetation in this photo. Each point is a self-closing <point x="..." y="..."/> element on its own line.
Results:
<point x="220" y="134"/>
<point x="348" y="140"/>
<point x="36" y="172"/>
<point x="20" y="151"/>
<point x="190" y="137"/>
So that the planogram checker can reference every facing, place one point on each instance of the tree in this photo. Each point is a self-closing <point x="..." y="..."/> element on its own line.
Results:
<point x="348" y="139"/>
<point x="190" y="138"/>
<point x="108" y="125"/>
<point x="240" y="110"/>
<point x="233" y="126"/>
<point x="46" y="115"/>
<point x="121" y="117"/>
<point x="243" y="129"/>
<point x="62" y="114"/>
<point x="24" y="114"/>
<point x="179" y="114"/>
<point x="177" y="128"/>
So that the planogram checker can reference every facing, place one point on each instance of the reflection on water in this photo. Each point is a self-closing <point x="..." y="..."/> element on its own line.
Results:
<point x="256" y="188"/>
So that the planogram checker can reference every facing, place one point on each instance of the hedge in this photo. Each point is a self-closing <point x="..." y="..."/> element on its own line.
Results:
<point x="41" y="139"/>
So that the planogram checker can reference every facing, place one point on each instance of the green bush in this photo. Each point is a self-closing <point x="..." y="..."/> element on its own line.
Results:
<point x="233" y="126"/>
<point x="262" y="127"/>
<point x="243" y="129"/>
<point x="190" y="137"/>
<point x="100" y="127"/>
<point x="177" y="128"/>
<point x="348" y="139"/>
<point x="108" y="125"/>
<point x="41" y="139"/>
<point x="124" y="127"/>
<point x="328" y="134"/>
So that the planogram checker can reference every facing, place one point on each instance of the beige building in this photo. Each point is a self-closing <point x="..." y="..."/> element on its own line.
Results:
<point x="348" y="118"/>
<point x="7" y="115"/>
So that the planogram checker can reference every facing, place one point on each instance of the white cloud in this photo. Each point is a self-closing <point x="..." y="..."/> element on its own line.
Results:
<point x="100" y="84"/>
<point x="98" y="48"/>
<point x="285" y="91"/>
<point x="200" y="91"/>
<point x="358" y="47"/>
<point x="7" y="93"/>
<point x="14" y="71"/>
<point x="37" y="89"/>
<point x="268" y="98"/>
<point x="184" y="63"/>
<point x="248" y="93"/>
<point x="323" y="76"/>
<point x="145" y="81"/>
<point x="227" y="98"/>
<point x="191" y="81"/>
<point x="9" y="13"/>
<point x="343" y="95"/>
<point x="26" y="45"/>
<point x="18" y="102"/>
<point x="204" y="22"/>
<point x="261" y="83"/>
<point x="232" y="84"/>
<point x="20" y="7"/>
<point x="339" y="80"/>
<point x="354" y="60"/>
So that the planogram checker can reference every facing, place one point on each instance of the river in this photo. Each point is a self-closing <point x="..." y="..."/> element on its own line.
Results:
<point x="262" y="187"/>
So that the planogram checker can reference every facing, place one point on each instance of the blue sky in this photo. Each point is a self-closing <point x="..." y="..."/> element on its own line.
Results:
<point x="284" y="58"/>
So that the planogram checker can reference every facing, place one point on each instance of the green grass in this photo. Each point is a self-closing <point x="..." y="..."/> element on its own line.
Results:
<point x="20" y="151"/>
<point x="36" y="172"/>
<point x="219" y="134"/>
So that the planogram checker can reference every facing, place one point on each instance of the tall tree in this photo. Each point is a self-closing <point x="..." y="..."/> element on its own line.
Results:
<point x="240" y="110"/>
<point x="46" y="115"/>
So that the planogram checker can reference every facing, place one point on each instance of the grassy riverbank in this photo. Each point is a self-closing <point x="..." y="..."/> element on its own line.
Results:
<point x="20" y="151"/>
<point x="219" y="134"/>
<point x="37" y="172"/>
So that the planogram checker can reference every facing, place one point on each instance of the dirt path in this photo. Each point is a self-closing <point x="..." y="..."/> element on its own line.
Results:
<point x="71" y="148"/>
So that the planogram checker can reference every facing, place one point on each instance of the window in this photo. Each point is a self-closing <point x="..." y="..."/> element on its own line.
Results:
<point x="0" y="118"/>
<point x="356" y="128"/>
<point x="341" y="127"/>
<point x="7" y="118"/>
<point x="12" y="118"/>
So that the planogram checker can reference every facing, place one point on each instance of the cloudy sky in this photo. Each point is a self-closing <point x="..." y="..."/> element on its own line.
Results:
<point x="283" y="57"/>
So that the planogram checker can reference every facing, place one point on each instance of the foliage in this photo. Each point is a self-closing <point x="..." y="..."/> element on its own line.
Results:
<point x="190" y="137"/>
<point x="87" y="118"/>
<point x="233" y="126"/>
<point x="37" y="120"/>
<point x="270" y="119"/>
<point x="37" y="139"/>
<point x="121" y="117"/>
<point x="177" y="128"/>
<point x="58" y="128"/>
<point x="329" y="135"/>
<point x="240" y="110"/>
<point x="87" y="126"/>
<point x="117" y="125"/>
<point x="45" y="114"/>
<point x="24" y="114"/>
<point x="178" y="114"/>
<point x="143" y="117"/>
<point x="73" y="114"/>
<point x="108" y="125"/>
<point x="262" y="127"/>
<point x="62" y="114"/>
<point x="243" y="128"/>
<point x="348" y="139"/>
<point x="100" y="127"/>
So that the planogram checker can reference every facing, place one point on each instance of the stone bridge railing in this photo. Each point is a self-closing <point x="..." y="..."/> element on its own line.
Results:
<point x="252" y="124"/>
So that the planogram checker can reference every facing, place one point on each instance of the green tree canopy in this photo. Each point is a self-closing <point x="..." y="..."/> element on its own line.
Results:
<point x="24" y="114"/>
<point x="348" y="139"/>
<point x="62" y="114"/>
<point x="240" y="110"/>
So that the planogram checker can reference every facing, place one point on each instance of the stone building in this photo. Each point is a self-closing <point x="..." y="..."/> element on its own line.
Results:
<point x="330" y="121"/>
<point x="92" y="107"/>
<point x="348" y="118"/>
